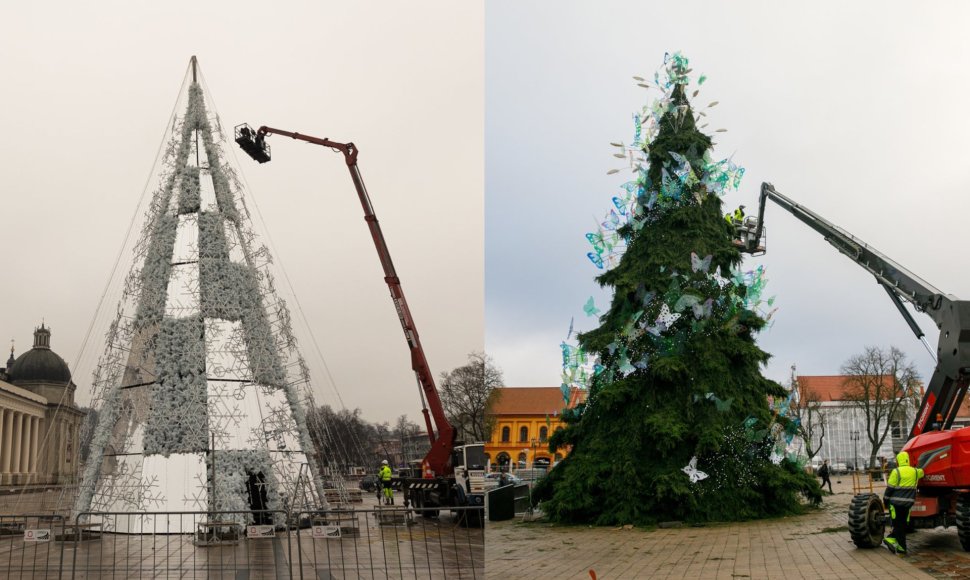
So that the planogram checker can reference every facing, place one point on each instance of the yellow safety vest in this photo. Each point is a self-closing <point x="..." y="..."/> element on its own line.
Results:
<point x="901" y="490"/>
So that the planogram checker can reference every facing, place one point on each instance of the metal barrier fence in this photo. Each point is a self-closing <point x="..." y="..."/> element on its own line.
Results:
<point x="27" y="549"/>
<point x="391" y="542"/>
<point x="181" y="545"/>
<point x="383" y="542"/>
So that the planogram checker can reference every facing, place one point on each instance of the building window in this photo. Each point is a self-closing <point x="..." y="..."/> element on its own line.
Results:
<point x="897" y="430"/>
<point x="543" y="434"/>
<point x="506" y="434"/>
<point x="524" y="435"/>
<point x="521" y="459"/>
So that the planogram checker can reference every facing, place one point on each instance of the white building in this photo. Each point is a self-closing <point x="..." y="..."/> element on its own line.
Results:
<point x="39" y="422"/>
<point x="845" y="440"/>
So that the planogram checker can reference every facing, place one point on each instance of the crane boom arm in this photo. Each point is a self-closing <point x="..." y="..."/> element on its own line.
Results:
<point x="896" y="279"/>
<point x="951" y="377"/>
<point x="438" y="458"/>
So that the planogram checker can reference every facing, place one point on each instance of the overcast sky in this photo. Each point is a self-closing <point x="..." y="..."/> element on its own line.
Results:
<point x="88" y="90"/>
<point x="857" y="110"/>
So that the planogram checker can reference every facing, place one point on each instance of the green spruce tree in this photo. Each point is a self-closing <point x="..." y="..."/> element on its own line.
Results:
<point x="676" y="424"/>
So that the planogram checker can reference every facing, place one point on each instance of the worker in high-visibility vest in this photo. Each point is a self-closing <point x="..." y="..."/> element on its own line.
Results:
<point x="735" y="218"/>
<point x="384" y="475"/>
<point x="739" y="214"/>
<point x="900" y="495"/>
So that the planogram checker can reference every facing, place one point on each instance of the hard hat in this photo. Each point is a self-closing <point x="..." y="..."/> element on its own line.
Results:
<point x="384" y="462"/>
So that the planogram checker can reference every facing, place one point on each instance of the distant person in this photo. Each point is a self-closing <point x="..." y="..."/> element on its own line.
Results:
<point x="937" y="425"/>
<point x="384" y="475"/>
<point x="826" y="474"/>
<point x="900" y="495"/>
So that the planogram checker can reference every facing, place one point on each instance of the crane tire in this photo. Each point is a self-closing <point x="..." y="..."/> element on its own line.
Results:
<point x="963" y="520"/>
<point x="867" y="523"/>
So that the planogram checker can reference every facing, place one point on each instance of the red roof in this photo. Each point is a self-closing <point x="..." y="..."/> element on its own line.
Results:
<point x="827" y="387"/>
<point x="533" y="400"/>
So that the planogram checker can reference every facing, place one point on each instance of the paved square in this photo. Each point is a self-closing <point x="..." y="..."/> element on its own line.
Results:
<point x="814" y="545"/>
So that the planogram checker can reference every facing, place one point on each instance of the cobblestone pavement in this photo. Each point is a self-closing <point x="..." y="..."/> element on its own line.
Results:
<point x="814" y="545"/>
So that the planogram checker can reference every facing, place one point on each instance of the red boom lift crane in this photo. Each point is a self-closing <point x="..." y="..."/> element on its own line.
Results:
<point x="451" y="474"/>
<point x="943" y="497"/>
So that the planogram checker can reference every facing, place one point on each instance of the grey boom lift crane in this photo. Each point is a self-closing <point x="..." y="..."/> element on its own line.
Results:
<point x="944" y="492"/>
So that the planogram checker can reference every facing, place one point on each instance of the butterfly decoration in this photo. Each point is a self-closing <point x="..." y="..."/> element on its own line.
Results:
<point x="670" y="186"/>
<point x="692" y="472"/>
<point x="646" y="297"/>
<point x="612" y="221"/>
<point x="570" y="333"/>
<point x="700" y="265"/>
<point x="629" y="329"/>
<point x="572" y="356"/>
<point x="683" y="170"/>
<point x="776" y="457"/>
<point x="721" y="405"/>
<point x="665" y="319"/>
<point x="703" y="310"/>
<point x="721" y="281"/>
<point x="589" y="308"/>
<point x="685" y="301"/>
<point x="596" y="260"/>
<point x="564" y="388"/>
<point x="625" y="367"/>
<point x="642" y="362"/>
<point x="622" y="205"/>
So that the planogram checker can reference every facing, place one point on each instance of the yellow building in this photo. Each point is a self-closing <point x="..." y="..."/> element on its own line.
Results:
<point x="524" y="419"/>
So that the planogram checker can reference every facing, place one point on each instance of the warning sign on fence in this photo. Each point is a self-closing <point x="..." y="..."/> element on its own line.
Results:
<point x="324" y="532"/>
<point x="37" y="535"/>
<point x="257" y="532"/>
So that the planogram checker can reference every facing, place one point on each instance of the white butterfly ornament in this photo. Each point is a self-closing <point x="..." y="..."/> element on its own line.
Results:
<point x="692" y="472"/>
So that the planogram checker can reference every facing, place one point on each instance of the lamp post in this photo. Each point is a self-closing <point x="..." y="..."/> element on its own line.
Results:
<point x="854" y="435"/>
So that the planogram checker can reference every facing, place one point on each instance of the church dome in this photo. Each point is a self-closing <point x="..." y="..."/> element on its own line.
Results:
<point x="39" y="364"/>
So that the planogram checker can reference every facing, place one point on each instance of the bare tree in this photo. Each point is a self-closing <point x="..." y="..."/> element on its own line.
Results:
<point x="407" y="431"/>
<point x="343" y="439"/>
<point x="881" y="384"/>
<point x="811" y="420"/>
<point x="466" y="395"/>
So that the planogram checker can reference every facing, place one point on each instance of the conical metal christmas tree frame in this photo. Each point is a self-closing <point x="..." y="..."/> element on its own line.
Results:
<point x="200" y="362"/>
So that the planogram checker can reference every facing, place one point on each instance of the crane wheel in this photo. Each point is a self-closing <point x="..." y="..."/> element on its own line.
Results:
<point x="963" y="521"/>
<point x="418" y="500"/>
<point x="867" y="520"/>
